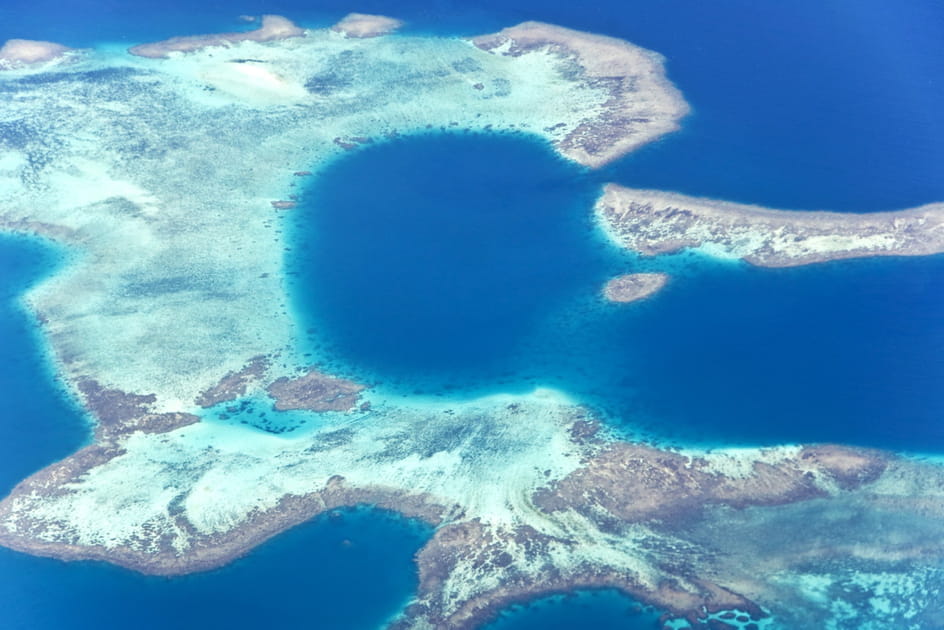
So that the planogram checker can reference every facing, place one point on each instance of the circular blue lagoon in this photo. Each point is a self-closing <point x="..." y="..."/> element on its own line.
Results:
<point x="458" y="264"/>
<point x="428" y="261"/>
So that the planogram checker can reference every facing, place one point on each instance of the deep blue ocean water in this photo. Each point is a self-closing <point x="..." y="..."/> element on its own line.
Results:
<point x="40" y="423"/>
<point x="348" y="569"/>
<point x="435" y="273"/>
<point x="796" y="105"/>
<point x="470" y="264"/>
<point x="586" y="609"/>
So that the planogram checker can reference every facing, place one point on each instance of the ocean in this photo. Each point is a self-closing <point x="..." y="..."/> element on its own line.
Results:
<point x="454" y="274"/>
<point x="490" y="267"/>
<point x="41" y="424"/>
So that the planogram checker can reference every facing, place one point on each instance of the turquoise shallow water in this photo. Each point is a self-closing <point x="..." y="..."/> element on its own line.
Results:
<point x="312" y="574"/>
<point x="799" y="104"/>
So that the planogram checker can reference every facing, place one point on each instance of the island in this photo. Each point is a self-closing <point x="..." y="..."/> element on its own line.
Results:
<point x="362" y="25"/>
<point x="314" y="391"/>
<point x="639" y="106"/>
<point x="272" y="28"/>
<point x="19" y="53"/>
<point x="159" y="169"/>
<point x="632" y="287"/>
<point x="652" y="222"/>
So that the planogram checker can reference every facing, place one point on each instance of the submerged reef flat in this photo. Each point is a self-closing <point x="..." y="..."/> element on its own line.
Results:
<point x="17" y="53"/>
<point x="158" y="171"/>
<point x="653" y="222"/>
<point x="363" y="25"/>
<point x="632" y="287"/>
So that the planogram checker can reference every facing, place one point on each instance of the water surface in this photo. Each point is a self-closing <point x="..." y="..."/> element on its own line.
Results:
<point x="459" y="264"/>
<point x="799" y="104"/>
<point x="347" y="569"/>
<point x="40" y="422"/>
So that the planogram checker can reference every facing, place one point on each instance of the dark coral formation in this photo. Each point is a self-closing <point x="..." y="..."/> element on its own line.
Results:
<point x="629" y="483"/>
<point x="677" y="498"/>
<point x="234" y="384"/>
<point x="315" y="392"/>
<point x="120" y="413"/>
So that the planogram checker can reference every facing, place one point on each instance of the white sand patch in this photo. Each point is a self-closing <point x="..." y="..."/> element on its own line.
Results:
<point x="253" y="83"/>
<point x="10" y="162"/>
<point x="88" y="182"/>
<point x="738" y="463"/>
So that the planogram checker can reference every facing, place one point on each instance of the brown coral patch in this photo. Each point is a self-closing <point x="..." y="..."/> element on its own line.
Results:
<point x="315" y="392"/>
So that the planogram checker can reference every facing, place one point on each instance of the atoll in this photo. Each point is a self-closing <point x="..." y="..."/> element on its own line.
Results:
<point x="162" y="173"/>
